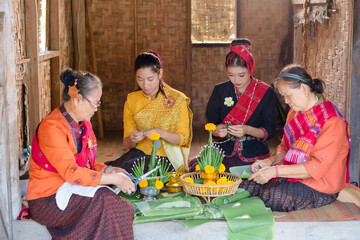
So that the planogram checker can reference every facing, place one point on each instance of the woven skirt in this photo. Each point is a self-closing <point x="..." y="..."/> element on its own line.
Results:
<point x="104" y="216"/>
<point x="285" y="196"/>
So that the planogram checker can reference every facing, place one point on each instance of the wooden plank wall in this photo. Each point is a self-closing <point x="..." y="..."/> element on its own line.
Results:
<point x="329" y="53"/>
<point x="161" y="26"/>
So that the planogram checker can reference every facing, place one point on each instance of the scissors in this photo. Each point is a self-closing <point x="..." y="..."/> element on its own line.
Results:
<point x="138" y="179"/>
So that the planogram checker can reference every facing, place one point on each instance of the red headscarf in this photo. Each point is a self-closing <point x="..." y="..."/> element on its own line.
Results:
<point x="158" y="56"/>
<point x="243" y="51"/>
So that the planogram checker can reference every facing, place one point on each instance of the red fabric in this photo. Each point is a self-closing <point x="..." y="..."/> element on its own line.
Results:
<point x="86" y="155"/>
<point x="243" y="51"/>
<point x="247" y="103"/>
<point x="300" y="133"/>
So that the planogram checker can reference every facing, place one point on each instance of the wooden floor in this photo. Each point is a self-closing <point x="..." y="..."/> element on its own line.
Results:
<point x="110" y="147"/>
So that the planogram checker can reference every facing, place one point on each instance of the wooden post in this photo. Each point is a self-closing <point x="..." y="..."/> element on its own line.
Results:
<point x="78" y="14"/>
<point x="54" y="45"/>
<point x="93" y="61"/>
<point x="32" y="46"/>
<point x="188" y="50"/>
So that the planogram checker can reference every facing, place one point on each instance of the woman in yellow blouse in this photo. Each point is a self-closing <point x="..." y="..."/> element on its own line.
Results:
<point x="155" y="107"/>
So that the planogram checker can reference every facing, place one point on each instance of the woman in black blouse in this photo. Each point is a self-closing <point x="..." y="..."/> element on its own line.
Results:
<point x="243" y="110"/>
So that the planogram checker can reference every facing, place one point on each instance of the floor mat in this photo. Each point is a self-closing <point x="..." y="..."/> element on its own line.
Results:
<point x="345" y="208"/>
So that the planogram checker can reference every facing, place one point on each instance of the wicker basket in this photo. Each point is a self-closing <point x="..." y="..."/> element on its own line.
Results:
<point x="209" y="192"/>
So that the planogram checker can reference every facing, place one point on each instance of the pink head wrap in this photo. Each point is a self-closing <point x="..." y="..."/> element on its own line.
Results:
<point x="158" y="56"/>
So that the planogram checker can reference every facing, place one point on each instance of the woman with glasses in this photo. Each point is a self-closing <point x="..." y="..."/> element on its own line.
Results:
<point x="64" y="191"/>
<point x="155" y="107"/>
<point x="310" y="166"/>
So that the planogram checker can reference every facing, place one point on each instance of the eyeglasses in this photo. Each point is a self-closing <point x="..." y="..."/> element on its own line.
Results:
<point x="92" y="104"/>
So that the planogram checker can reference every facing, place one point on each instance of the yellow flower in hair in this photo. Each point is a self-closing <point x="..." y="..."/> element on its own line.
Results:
<point x="159" y="184"/>
<point x="210" y="127"/>
<point x="189" y="179"/>
<point x="209" y="169"/>
<point x="197" y="168"/>
<point x="222" y="168"/>
<point x="154" y="136"/>
<point x="143" y="183"/>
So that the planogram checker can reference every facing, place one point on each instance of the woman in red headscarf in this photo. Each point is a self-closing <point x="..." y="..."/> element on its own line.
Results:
<point x="243" y="110"/>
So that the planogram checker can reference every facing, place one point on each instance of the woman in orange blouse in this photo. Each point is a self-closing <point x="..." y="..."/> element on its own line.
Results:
<point x="310" y="166"/>
<point x="63" y="158"/>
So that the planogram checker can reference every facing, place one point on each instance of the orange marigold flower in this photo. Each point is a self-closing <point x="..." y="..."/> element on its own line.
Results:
<point x="222" y="168"/>
<point x="197" y="168"/>
<point x="143" y="183"/>
<point x="209" y="169"/>
<point x="210" y="127"/>
<point x="154" y="136"/>
<point x="189" y="179"/>
<point x="159" y="184"/>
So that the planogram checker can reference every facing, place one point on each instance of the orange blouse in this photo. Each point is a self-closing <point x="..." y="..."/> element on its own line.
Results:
<point x="56" y="142"/>
<point x="327" y="161"/>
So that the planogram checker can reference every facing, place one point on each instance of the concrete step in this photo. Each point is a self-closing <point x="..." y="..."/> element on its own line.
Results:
<point x="216" y="230"/>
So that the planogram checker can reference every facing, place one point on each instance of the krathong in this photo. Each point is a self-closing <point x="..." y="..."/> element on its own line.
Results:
<point x="139" y="166"/>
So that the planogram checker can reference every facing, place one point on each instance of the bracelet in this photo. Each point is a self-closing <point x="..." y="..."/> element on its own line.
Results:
<point x="277" y="172"/>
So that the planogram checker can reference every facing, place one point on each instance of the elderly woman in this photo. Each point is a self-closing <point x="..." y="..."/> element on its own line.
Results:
<point x="63" y="191"/>
<point x="155" y="107"/>
<point x="247" y="104"/>
<point x="310" y="166"/>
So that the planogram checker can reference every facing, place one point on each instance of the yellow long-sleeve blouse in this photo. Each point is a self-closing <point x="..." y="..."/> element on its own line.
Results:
<point x="136" y="101"/>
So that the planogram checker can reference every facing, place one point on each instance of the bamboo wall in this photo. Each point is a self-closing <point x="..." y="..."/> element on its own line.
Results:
<point x="329" y="51"/>
<point x="161" y="26"/>
<point x="266" y="24"/>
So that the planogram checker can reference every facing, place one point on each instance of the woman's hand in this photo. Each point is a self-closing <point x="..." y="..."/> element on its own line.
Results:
<point x="238" y="130"/>
<point x="259" y="164"/>
<point x="153" y="130"/>
<point x="124" y="183"/>
<point x="136" y="136"/>
<point x="263" y="175"/>
<point x="111" y="169"/>
<point x="220" y="130"/>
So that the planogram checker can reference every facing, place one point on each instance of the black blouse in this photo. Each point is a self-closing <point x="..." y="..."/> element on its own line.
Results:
<point x="264" y="116"/>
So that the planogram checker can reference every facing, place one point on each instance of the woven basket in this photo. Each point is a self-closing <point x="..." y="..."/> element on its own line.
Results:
<point x="209" y="192"/>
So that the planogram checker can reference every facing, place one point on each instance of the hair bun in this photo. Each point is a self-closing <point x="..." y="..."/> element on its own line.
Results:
<point x="67" y="77"/>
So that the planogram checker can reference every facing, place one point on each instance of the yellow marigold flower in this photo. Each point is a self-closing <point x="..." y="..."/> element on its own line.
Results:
<point x="228" y="182"/>
<point x="210" y="127"/>
<point x="154" y="136"/>
<point x="222" y="180"/>
<point x="197" y="168"/>
<point x="159" y="184"/>
<point x="189" y="179"/>
<point x="209" y="169"/>
<point x="209" y="182"/>
<point x="143" y="183"/>
<point x="222" y="168"/>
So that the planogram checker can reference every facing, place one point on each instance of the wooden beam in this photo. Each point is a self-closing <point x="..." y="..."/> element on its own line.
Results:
<point x="46" y="55"/>
<point x="32" y="46"/>
<point x="78" y="13"/>
<point x="54" y="47"/>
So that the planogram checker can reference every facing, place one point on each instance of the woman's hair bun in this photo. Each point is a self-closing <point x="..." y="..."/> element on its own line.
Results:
<point x="67" y="77"/>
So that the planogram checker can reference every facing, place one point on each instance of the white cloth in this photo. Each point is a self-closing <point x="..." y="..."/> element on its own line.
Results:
<point x="66" y="190"/>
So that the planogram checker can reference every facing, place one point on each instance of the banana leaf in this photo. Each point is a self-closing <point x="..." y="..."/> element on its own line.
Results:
<point x="241" y="194"/>
<point x="146" y="219"/>
<point x="241" y="171"/>
<point x="248" y="218"/>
